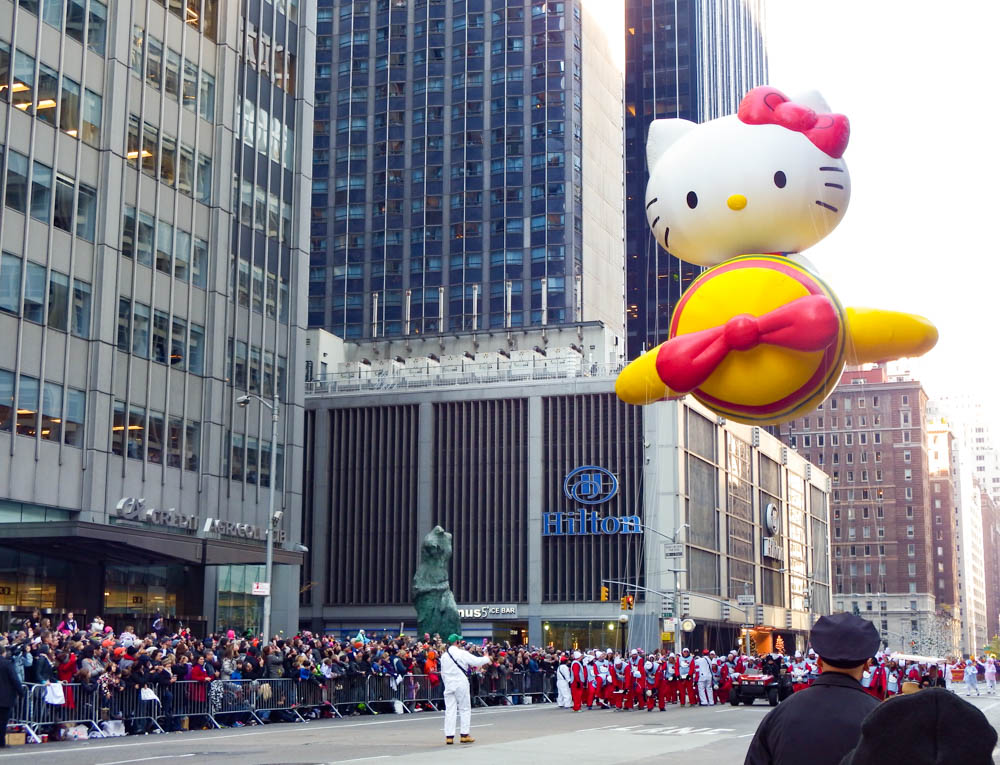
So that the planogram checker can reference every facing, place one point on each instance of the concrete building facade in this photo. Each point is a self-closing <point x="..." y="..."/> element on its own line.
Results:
<point x="153" y="193"/>
<point x="871" y="436"/>
<point x="492" y="448"/>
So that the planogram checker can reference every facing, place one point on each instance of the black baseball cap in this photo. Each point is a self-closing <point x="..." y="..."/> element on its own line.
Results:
<point x="844" y="640"/>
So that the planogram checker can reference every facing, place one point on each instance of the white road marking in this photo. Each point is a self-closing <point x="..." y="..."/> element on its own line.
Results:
<point x="363" y="759"/>
<point x="270" y="730"/>
<point x="147" y="759"/>
<point x="748" y="735"/>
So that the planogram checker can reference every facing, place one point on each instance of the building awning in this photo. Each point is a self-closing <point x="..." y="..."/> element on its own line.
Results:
<point x="98" y="542"/>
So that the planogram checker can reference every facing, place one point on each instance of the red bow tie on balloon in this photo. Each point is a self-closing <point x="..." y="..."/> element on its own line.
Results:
<point x="806" y="324"/>
<point x="768" y="106"/>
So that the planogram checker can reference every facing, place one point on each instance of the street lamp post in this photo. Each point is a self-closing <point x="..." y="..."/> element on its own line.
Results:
<point x="243" y="401"/>
<point x="677" y="583"/>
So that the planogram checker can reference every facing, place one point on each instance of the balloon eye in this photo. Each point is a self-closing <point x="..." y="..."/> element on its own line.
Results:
<point x="780" y="180"/>
<point x="692" y="200"/>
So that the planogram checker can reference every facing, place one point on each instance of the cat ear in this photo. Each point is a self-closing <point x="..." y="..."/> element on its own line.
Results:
<point x="814" y="100"/>
<point x="662" y="135"/>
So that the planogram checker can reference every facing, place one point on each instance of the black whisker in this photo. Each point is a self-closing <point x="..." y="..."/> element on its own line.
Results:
<point x="666" y="239"/>
<point x="833" y="185"/>
<point x="828" y="207"/>
<point x="833" y="169"/>
<point x="655" y="221"/>
<point x="652" y="202"/>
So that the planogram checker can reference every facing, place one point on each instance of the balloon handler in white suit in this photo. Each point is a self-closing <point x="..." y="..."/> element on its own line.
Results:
<point x="456" y="663"/>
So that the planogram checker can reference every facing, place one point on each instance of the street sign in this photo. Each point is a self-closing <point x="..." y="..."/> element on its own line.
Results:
<point x="747" y="626"/>
<point x="261" y="588"/>
<point x="745" y="600"/>
<point x="669" y="624"/>
<point x="673" y="551"/>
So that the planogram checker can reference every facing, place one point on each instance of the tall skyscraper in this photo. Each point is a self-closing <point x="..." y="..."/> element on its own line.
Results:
<point x="871" y="437"/>
<point x="693" y="59"/>
<point x="149" y="276"/>
<point x="467" y="167"/>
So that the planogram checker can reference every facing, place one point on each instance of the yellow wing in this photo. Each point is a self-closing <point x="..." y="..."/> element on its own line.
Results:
<point x="877" y="335"/>
<point x="639" y="383"/>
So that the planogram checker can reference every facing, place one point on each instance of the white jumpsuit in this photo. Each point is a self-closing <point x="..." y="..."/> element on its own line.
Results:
<point x="455" y="662"/>
<point x="705" y="680"/>
<point x="971" y="679"/>
<point x="991" y="675"/>
<point x="564" y="698"/>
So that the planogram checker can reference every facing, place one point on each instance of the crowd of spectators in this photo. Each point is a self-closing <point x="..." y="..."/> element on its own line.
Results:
<point x="94" y="656"/>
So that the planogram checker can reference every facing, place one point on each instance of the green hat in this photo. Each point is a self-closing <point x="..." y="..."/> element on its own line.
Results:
<point x="453" y="638"/>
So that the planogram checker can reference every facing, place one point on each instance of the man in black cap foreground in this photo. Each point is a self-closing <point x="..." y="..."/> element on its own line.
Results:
<point x="931" y="727"/>
<point x="820" y="724"/>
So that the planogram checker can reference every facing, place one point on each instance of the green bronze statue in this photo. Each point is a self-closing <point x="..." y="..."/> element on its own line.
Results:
<point x="432" y="596"/>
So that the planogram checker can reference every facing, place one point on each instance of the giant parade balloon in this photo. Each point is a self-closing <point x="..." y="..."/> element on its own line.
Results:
<point x="759" y="337"/>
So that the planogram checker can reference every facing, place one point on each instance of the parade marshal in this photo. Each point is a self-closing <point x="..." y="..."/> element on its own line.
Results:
<point x="821" y="724"/>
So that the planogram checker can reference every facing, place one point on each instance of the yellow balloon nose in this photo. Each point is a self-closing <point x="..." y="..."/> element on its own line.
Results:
<point x="737" y="202"/>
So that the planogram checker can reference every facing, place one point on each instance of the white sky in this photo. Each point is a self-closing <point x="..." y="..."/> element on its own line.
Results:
<point x="917" y="80"/>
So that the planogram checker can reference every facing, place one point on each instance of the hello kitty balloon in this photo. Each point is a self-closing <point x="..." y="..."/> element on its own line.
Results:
<point x="759" y="337"/>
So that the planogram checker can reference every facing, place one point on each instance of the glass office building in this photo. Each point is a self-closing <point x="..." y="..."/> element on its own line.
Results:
<point x="693" y="59"/>
<point x="467" y="167"/>
<point x="149" y="275"/>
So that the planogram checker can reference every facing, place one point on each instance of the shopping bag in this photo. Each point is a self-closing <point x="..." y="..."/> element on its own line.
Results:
<point x="148" y="694"/>
<point x="54" y="694"/>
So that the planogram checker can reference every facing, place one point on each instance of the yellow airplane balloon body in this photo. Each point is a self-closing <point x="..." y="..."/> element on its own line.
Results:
<point x="759" y="337"/>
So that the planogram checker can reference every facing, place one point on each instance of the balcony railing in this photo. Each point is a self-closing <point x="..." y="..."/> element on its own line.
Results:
<point x="439" y="376"/>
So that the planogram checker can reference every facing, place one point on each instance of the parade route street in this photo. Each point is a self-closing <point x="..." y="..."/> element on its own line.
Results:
<point x="521" y="734"/>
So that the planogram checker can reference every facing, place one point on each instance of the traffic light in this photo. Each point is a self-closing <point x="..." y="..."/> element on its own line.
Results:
<point x="630" y="602"/>
<point x="624" y="602"/>
<point x="725" y="612"/>
<point x="685" y="605"/>
<point x="605" y="594"/>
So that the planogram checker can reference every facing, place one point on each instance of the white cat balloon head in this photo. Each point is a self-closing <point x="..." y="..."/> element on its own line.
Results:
<point x="768" y="179"/>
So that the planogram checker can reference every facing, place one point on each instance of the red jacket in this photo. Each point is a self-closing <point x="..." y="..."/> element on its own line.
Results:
<point x="578" y="673"/>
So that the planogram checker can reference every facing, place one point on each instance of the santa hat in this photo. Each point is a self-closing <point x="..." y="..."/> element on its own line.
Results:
<point x="618" y="661"/>
<point x="798" y="654"/>
<point x="577" y="654"/>
<point x="634" y="652"/>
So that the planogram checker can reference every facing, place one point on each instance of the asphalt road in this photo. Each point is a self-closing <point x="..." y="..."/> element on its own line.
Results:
<point x="520" y="734"/>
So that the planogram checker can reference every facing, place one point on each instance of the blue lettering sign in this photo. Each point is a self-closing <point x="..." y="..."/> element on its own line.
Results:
<point x="590" y="485"/>
<point x="588" y="522"/>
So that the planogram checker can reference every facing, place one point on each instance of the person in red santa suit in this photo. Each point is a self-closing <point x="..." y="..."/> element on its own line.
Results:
<point x="879" y="680"/>
<point x="725" y="683"/>
<point x="685" y="678"/>
<point x="620" y="683"/>
<point x="665" y="686"/>
<point x="578" y="680"/>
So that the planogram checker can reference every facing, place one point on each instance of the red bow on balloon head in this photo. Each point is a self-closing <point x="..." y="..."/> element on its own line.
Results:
<point x="768" y="106"/>
<point x="807" y="324"/>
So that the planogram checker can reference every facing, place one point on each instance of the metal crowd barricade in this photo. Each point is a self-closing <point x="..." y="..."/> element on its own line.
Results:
<point x="311" y="694"/>
<point x="21" y="713"/>
<point x="191" y="700"/>
<point x="130" y="705"/>
<point x="347" y="691"/>
<point x="422" y="689"/>
<point x="490" y="690"/>
<point x="536" y="685"/>
<point x="389" y="689"/>
<point x="274" y="694"/>
<point x="81" y="708"/>
<point x="233" y="699"/>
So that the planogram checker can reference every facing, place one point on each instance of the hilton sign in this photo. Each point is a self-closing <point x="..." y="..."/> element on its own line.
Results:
<point x="589" y="485"/>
